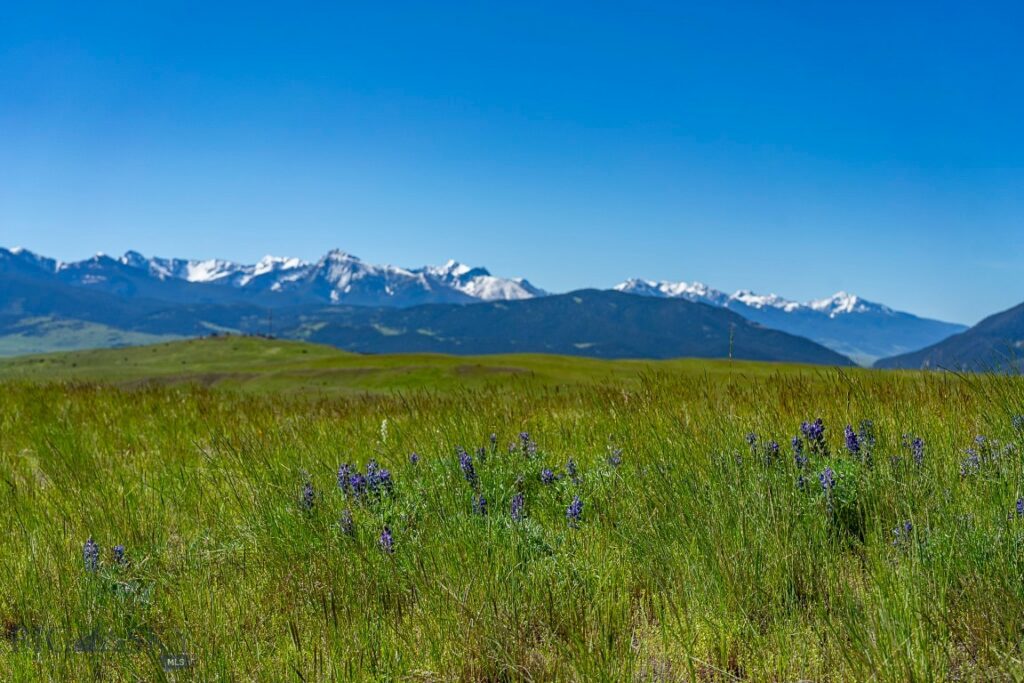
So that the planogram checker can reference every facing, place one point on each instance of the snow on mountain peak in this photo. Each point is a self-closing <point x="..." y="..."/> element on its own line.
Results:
<point x="749" y="298"/>
<point x="840" y="303"/>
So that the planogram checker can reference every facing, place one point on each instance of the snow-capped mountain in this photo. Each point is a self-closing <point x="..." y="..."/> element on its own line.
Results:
<point x="861" y="329"/>
<point x="336" y="278"/>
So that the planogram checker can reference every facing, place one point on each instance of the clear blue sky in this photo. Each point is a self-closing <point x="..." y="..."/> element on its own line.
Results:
<point x="793" y="147"/>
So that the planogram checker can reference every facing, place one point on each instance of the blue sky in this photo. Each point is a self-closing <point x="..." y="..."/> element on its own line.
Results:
<point x="792" y="147"/>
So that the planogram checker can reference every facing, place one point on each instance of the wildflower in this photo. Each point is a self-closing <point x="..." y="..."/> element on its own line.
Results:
<point x="751" y="440"/>
<point x="386" y="543"/>
<point x="518" y="507"/>
<point x="547" y="476"/>
<point x="971" y="464"/>
<point x="377" y="478"/>
<point x="480" y="505"/>
<point x="772" y="448"/>
<point x="528" y="445"/>
<point x="414" y="458"/>
<point x="573" y="512"/>
<point x="344" y="476"/>
<point x="119" y="554"/>
<point x="91" y="555"/>
<point x="852" y="442"/>
<point x="466" y="463"/>
<point x="814" y="433"/>
<point x="357" y="484"/>
<point x="799" y="459"/>
<point x="1020" y="507"/>
<point x="902" y="533"/>
<point x="345" y="522"/>
<point x="827" y="479"/>
<point x="308" y="496"/>
<point x="917" y="450"/>
<point x="614" y="456"/>
<point x="570" y="470"/>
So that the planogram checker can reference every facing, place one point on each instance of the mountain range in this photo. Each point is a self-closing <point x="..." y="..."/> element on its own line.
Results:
<point x="863" y="330"/>
<point x="107" y="300"/>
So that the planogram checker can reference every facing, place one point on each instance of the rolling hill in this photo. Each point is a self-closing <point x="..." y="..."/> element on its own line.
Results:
<point x="995" y="343"/>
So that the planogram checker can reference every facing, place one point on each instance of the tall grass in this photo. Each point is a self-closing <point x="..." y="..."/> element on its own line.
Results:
<point x="697" y="557"/>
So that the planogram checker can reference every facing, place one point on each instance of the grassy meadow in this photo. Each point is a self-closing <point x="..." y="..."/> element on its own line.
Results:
<point x="561" y="519"/>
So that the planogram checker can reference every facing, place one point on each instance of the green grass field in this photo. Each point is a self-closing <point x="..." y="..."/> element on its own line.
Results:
<point x="695" y="556"/>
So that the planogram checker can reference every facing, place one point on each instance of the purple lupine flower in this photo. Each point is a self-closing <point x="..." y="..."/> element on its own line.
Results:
<point x="573" y="512"/>
<point x="357" y="484"/>
<point x="344" y="475"/>
<point x="571" y="471"/>
<point x="799" y="459"/>
<point x="547" y="476"/>
<point x="814" y="433"/>
<point x="466" y="463"/>
<point x="377" y="478"/>
<point x="518" y="507"/>
<point x="827" y="479"/>
<point x="480" y="505"/>
<point x="308" y="496"/>
<point x="119" y="554"/>
<point x="852" y="442"/>
<point x="902" y="533"/>
<point x="386" y="542"/>
<point x="800" y="481"/>
<point x="773" y="448"/>
<point x="917" y="450"/>
<point x="751" y="440"/>
<point x="614" y="456"/>
<point x="414" y="458"/>
<point x="1020" y="507"/>
<point x="91" y="555"/>
<point x="971" y="464"/>
<point x="345" y="522"/>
